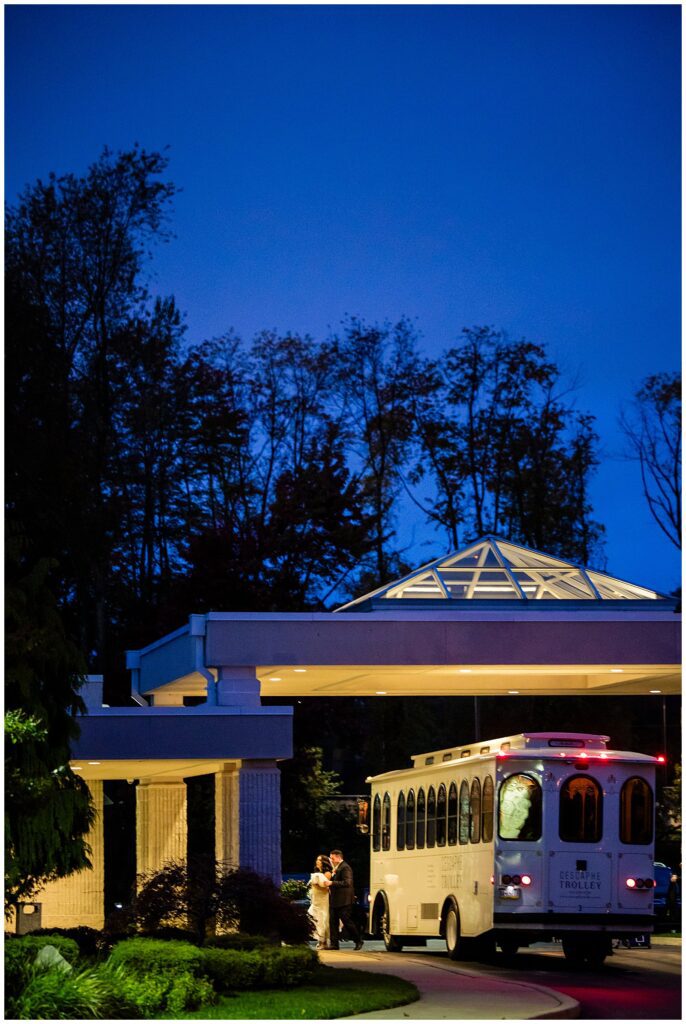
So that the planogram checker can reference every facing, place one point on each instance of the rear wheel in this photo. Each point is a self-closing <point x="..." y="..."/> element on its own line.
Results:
<point x="508" y="946"/>
<point x="391" y="942"/>
<point x="586" y="950"/>
<point x="453" y="938"/>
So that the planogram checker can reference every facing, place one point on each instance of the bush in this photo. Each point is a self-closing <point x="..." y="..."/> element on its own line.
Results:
<point x="32" y="944"/>
<point x="287" y="966"/>
<point x="241" y="940"/>
<point x="144" y="956"/>
<point x="176" y="934"/>
<point x="18" y="963"/>
<point x="155" y="993"/>
<point x="269" y="966"/>
<point x="87" y="939"/>
<point x="52" y="994"/>
<point x="233" y="969"/>
<point x="294" y="889"/>
<point x="198" y="895"/>
<point x="252" y="903"/>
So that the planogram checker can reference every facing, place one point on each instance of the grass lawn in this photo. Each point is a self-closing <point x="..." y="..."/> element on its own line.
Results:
<point x="333" y="992"/>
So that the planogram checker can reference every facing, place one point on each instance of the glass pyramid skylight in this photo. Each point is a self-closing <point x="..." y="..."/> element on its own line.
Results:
<point x="493" y="569"/>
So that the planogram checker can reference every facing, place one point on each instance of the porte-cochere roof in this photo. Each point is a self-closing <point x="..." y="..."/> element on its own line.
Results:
<point x="493" y="569"/>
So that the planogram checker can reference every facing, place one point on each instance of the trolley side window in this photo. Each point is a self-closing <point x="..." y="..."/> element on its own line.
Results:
<point x="487" y="810"/>
<point x="581" y="810"/>
<point x="440" y="816"/>
<point x="475" y="812"/>
<point x="636" y="812"/>
<point x="409" y="821"/>
<point x="452" y="815"/>
<point x="520" y="808"/>
<point x="376" y="823"/>
<point x="400" y="822"/>
<point x="463" y="826"/>
<point x="386" y="823"/>
<point x="431" y="817"/>
<point x="421" y="819"/>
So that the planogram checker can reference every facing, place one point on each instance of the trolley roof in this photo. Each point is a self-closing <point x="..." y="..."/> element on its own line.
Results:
<point x="525" y="744"/>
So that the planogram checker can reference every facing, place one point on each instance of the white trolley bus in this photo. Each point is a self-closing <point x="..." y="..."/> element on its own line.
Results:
<point x="515" y="840"/>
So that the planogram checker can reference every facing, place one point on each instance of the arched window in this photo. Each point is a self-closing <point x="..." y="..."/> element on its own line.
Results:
<point x="636" y="812"/>
<point x="431" y="817"/>
<point x="452" y="815"/>
<point x="463" y="824"/>
<point x="475" y="812"/>
<point x="409" y="821"/>
<point x="519" y="808"/>
<point x="400" y="823"/>
<point x="421" y="819"/>
<point x="386" y="823"/>
<point x="440" y="816"/>
<point x="487" y="810"/>
<point x="581" y="810"/>
<point x="376" y="823"/>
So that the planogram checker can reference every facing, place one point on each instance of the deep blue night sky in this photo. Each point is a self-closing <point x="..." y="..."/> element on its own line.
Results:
<point x="518" y="166"/>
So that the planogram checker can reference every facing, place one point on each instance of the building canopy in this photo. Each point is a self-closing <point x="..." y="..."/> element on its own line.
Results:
<point x="493" y="569"/>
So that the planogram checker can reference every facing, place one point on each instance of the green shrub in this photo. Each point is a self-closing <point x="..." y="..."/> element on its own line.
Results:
<point x="294" y="889"/>
<point x="87" y="939"/>
<point x="241" y="940"/>
<point x="18" y="963"/>
<point x="179" y="934"/>
<point x="34" y="943"/>
<point x="155" y="993"/>
<point x="52" y="994"/>
<point x="269" y="967"/>
<point x="233" y="969"/>
<point x="287" y="966"/>
<point x="143" y="956"/>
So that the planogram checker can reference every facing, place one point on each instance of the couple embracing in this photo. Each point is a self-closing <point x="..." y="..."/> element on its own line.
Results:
<point x="332" y="898"/>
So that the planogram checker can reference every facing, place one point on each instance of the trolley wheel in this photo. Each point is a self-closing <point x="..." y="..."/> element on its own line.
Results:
<point x="453" y="938"/>
<point x="509" y="947"/>
<point x="391" y="942"/>
<point x="589" y="950"/>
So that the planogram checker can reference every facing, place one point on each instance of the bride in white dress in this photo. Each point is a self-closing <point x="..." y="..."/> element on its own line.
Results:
<point x="319" y="900"/>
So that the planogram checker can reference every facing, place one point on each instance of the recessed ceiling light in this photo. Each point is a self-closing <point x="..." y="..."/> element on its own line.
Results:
<point x="381" y="693"/>
<point x="616" y="670"/>
<point x="300" y="670"/>
<point x="656" y="691"/>
<point x="95" y="762"/>
<point x="274" y="679"/>
<point x="513" y="691"/>
<point x="76" y="767"/>
<point x="464" y="670"/>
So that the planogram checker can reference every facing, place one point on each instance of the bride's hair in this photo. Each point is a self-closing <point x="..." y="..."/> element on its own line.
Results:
<point x="326" y="863"/>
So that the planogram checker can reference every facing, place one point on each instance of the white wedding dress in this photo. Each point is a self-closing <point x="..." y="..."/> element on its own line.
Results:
<point x="319" y="907"/>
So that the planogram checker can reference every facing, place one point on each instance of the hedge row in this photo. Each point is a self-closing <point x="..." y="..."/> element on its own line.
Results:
<point x="144" y="977"/>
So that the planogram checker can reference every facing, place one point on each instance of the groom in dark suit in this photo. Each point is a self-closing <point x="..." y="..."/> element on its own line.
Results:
<point x="341" y="899"/>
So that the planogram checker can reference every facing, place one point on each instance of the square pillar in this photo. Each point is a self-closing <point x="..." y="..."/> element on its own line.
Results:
<point x="161" y="824"/>
<point x="248" y="817"/>
<point x="79" y="899"/>
<point x="238" y="685"/>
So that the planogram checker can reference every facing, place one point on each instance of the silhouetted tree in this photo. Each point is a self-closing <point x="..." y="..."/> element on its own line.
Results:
<point x="653" y="429"/>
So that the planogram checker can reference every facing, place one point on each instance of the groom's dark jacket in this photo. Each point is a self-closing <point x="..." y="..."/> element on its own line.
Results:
<point x="342" y="892"/>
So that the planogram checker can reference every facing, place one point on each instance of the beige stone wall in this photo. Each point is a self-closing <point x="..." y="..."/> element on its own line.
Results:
<point x="80" y="898"/>
<point x="161" y="829"/>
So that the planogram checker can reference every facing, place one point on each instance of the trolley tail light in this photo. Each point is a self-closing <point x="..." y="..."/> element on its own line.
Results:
<point x="516" y="879"/>
<point x="631" y="883"/>
<point x="640" y="883"/>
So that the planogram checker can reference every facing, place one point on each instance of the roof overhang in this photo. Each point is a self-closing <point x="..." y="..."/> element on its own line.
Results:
<point x="428" y="652"/>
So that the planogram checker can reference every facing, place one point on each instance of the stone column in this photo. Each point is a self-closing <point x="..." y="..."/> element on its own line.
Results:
<point x="226" y="817"/>
<point x="247" y="807"/>
<point x="260" y="818"/>
<point x="79" y="899"/>
<point x="161" y="824"/>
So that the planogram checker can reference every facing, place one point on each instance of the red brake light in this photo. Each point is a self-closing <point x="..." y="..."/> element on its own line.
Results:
<point x="661" y="758"/>
<point x="631" y="883"/>
<point x="507" y="879"/>
<point x="648" y="883"/>
<point x="526" y="879"/>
